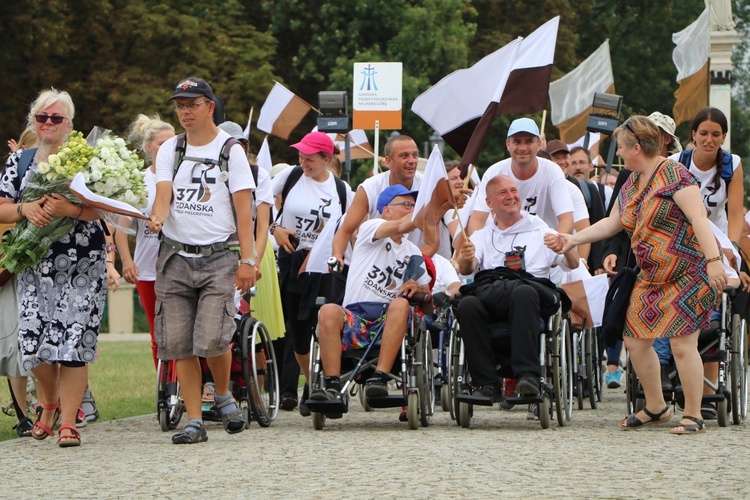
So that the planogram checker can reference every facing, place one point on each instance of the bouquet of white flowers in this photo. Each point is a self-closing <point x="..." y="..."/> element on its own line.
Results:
<point x="109" y="168"/>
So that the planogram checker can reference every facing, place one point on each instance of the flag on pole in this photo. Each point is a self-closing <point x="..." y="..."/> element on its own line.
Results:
<point x="246" y="132"/>
<point x="317" y="261"/>
<point x="571" y="96"/>
<point x="434" y="190"/>
<point x="282" y="112"/>
<point x="691" y="57"/>
<point x="513" y="79"/>
<point x="264" y="157"/>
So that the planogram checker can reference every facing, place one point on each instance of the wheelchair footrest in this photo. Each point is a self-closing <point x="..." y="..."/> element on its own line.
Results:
<point x="715" y="398"/>
<point x="390" y="401"/>
<point x="525" y="399"/>
<point x="326" y="407"/>
<point x="474" y="400"/>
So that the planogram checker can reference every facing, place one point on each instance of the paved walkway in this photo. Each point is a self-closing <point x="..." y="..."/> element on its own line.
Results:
<point x="372" y="455"/>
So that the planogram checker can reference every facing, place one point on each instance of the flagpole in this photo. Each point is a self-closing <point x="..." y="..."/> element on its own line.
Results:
<point x="375" y="169"/>
<point x="544" y="120"/>
<point x="468" y="175"/>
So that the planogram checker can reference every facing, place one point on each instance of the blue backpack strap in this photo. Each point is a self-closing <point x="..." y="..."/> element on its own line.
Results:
<point x="727" y="166"/>
<point x="24" y="162"/>
<point x="685" y="157"/>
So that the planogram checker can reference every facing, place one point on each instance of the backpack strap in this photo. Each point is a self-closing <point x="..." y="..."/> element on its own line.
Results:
<point x="179" y="155"/>
<point x="685" y="157"/>
<point x="24" y="162"/>
<point x="341" y="189"/>
<point x="727" y="166"/>
<point x="295" y="176"/>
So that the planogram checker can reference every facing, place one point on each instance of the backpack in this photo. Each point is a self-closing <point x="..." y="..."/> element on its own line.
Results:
<point x="294" y="177"/>
<point x="727" y="165"/>
<point x="24" y="162"/>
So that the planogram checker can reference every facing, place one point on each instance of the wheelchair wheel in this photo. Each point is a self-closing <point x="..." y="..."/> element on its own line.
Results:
<point x="632" y="386"/>
<point x="319" y="420"/>
<point x="455" y="375"/>
<point x="560" y="374"/>
<point x="169" y="404"/>
<point x="545" y="412"/>
<point x="425" y="380"/>
<point x="465" y="412"/>
<point x="579" y="365"/>
<point x="722" y="417"/>
<point x="593" y="370"/>
<point x="412" y="410"/>
<point x="260" y="371"/>
<point x="738" y="371"/>
<point x="598" y="372"/>
<point x="569" y="360"/>
<point x="362" y="399"/>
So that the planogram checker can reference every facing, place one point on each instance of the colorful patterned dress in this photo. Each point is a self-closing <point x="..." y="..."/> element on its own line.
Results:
<point x="672" y="295"/>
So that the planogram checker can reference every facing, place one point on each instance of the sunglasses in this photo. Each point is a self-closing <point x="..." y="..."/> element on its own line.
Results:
<point x="407" y="204"/>
<point x="56" y="119"/>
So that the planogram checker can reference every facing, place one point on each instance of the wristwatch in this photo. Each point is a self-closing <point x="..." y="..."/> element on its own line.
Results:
<point x="272" y="228"/>
<point x="249" y="262"/>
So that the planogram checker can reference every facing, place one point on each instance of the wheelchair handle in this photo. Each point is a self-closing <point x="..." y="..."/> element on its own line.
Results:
<point x="250" y="293"/>
<point x="419" y="298"/>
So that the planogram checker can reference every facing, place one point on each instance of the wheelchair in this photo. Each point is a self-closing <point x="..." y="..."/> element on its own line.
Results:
<point x="587" y="366"/>
<point x="254" y="379"/>
<point x="725" y="342"/>
<point x="555" y="366"/>
<point x="440" y="330"/>
<point x="412" y="373"/>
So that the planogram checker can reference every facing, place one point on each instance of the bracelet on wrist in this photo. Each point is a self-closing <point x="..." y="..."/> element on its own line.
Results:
<point x="110" y="262"/>
<point x="19" y="209"/>
<point x="80" y="212"/>
<point x="713" y="259"/>
<point x="111" y="247"/>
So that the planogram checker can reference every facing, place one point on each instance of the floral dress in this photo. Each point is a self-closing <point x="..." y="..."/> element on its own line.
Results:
<point x="672" y="295"/>
<point x="61" y="300"/>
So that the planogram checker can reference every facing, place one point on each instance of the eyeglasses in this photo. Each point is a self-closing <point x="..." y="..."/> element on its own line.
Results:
<point x="627" y="126"/>
<point x="409" y="205"/>
<point x="191" y="106"/>
<point x="56" y="119"/>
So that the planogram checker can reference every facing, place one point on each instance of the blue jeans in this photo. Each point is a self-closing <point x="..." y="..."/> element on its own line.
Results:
<point x="613" y="354"/>
<point x="663" y="350"/>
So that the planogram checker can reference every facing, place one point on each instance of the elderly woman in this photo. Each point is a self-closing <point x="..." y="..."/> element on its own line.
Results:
<point x="62" y="298"/>
<point x="681" y="269"/>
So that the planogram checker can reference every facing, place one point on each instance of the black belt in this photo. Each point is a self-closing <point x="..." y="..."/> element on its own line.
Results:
<point x="202" y="250"/>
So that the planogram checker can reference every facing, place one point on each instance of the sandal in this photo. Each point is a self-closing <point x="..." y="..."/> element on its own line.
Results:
<point x="235" y="420"/>
<point x="697" y="428"/>
<point x="88" y="404"/>
<point x="41" y="430"/>
<point x="633" y="422"/>
<point x="23" y="427"/>
<point x="192" y="433"/>
<point x="68" y="440"/>
<point x="208" y="393"/>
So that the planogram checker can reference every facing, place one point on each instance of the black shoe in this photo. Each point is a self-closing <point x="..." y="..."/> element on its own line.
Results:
<point x="666" y="384"/>
<point x="490" y="391"/>
<point x="708" y="411"/>
<point x="528" y="384"/>
<point x="303" y="409"/>
<point x="288" y="402"/>
<point x="330" y="394"/>
<point x="376" y="387"/>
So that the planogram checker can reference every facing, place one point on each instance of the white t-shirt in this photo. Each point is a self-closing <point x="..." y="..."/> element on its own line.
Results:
<point x="201" y="210"/>
<point x="375" y="185"/>
<point x="491" y="244"/>
<point x="377" y="269"/>
<point x="445" y="274"/>
<point x="580" y="212"/>
<point x="146" y="242"/>
<point x="608" y="191"/>
<point x="715" y="200"/>
<point x="309" y="205"/>
<point x="543" y="194"/>
<point x="264" y="193"/>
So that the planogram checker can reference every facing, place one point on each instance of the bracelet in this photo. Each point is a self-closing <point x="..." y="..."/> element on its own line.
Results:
<point x="80" y="212"/>
<point x="19" y="208"/>
<point x="272" y="228"/>
<point x="111" y="247"/>
<point x="713" y="259"/>
<point x="110" y="261"/>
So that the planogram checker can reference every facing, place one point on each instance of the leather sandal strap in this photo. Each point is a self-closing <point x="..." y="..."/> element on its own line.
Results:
<point x="694" y="419"/>
<point x="73" y="432"/>
<point x="656" y="416"/>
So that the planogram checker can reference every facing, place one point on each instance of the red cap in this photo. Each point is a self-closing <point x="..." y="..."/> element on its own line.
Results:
<point x="315" y="142"/>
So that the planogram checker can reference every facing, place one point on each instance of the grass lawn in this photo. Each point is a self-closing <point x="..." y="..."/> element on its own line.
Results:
<point x="123" y="381"/>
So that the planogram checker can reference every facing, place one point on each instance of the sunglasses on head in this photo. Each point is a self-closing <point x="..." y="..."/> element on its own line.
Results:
<point x="56" y="119"/>
<point x="627" y="126"/>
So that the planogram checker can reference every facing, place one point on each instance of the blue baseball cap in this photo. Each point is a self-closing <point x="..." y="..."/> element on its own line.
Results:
<point x="523" y="125"/>
<point x="391" y="192"/>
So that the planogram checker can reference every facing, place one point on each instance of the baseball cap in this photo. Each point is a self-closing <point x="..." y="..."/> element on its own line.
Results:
<point x="391" y="192"/>
<point x="555" y="146"/>
<point x="233" y="129"/>
<point x="315" y="142"/>
<point x="523" y="125"/>
<point x="193" y="87"/>
<point x="666" y="123"/>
